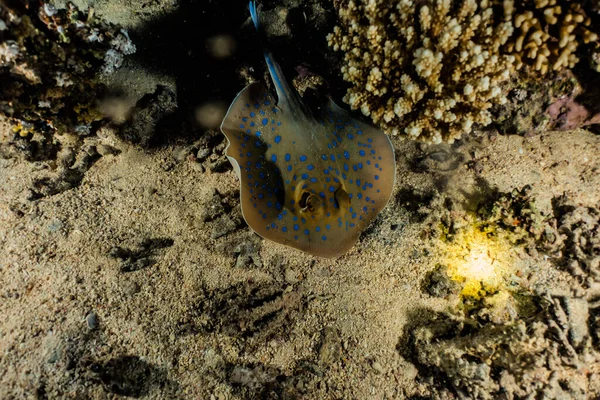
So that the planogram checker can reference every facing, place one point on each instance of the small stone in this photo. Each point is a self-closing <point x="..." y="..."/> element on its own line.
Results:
<point x="220" y="165"/>
<point x="378" y="367"/>
<point x="105" y="150"/>
<point x="331" y="347"/>
<point x="578" y="313"/>
<point x="149" y="191"/>
<point x="439" y="284"/>
<point x="198" y="167"/>
<point x="223" y="226"/>
<point x="291" y="276"/>
<point x="92" y="321"/>
<point x="203" y="154"/>
<point x="130" y="288"/>
<point x="55" y="226"/>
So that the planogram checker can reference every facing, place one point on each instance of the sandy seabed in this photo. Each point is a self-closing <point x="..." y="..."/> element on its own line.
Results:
<point x="119" y="286"/>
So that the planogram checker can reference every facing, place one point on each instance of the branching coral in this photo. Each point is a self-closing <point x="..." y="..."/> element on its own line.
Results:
<point x="547" y="34"/>
<point x="432" y="69"/>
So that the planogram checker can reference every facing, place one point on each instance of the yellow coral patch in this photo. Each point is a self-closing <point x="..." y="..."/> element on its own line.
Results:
<point x="479" y="261"/>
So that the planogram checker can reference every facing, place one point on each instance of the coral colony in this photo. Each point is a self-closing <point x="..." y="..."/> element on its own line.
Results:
<point x="50" y="62"/>
<point x="431" y="70"/>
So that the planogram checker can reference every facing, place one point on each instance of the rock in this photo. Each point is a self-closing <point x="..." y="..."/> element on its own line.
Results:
<point x="378" y="367"/>
<point x="439" y="284"/>
<point x="291" y="276"/>
<point x="331" y="347"/>
<point x="105" y="150"/>
<point x="148" y="112"/>
<point x="247" y="253"/>
<point x="224" y="225"/>
<point x="202" y="154"/>
<point x="92" y="321"/>
<point x="577" y="311"/>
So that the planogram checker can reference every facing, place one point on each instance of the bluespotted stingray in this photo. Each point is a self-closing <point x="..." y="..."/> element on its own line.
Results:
<point x="309" y="181"/>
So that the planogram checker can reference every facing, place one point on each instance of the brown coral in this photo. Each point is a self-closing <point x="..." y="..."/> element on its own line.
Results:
<point x="548" y="34"/>
<point x="429" y="71"/>
<point x="432" y="69"/>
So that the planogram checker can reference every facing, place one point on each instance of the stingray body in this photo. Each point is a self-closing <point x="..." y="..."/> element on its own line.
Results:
<point x="312" y="182"/>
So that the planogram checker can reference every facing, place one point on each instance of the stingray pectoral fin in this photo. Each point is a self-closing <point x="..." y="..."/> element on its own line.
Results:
<point x="261" y="183"/>
<point x="367" y="166"/>
<point x="368" y="154"/>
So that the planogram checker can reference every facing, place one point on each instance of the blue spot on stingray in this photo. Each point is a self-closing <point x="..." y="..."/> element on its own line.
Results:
<point x="265" y="121"/>
<point x="277" y="139"/>
<point x="359" y="195"/>
<point x="324" y="237"/>
<point x="289" y="167"/>
<point x="325" y="171"/>
<point x="296" y="227"/>
<point x="260" y="195"/>
<point x="306" y="231"/>
<point x="278" y="123"/>
<point x="328" y="226"/>
<point x="332" y="189"/>
<point x="304" y="176"/>
<point x="350" y="136"/>
<point x="249" y="154"/>
<point x="346" y="155"/>
<point x="267" y="102"/>
<point x="252" y="115"/>
<point x="310" y="167"/>
<point x="273" y="158"/>
<point x="284" y="229"/>
<point x="287" y="157"/>
<point x="332" y="157"/>
<point x="302" y="158"/>
<point x="359" y="132"/>
<point x="313" y="180"/>
<point x="318" y="229"/>
<point x="324" y="157"/>
<point x="362" y="153"/>
<point x="241" y="126"/>
<point x="376" y="177"/>
<point x="258" y="133"/>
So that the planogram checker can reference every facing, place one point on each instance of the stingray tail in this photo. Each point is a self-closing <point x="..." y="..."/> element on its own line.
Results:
<point x="254" y="14"/>
<point x="285" y="93"/>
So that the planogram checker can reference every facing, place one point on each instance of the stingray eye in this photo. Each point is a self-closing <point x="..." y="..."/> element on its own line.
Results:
<point x="341" y="198"/>
<point x="308" y="202"/>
